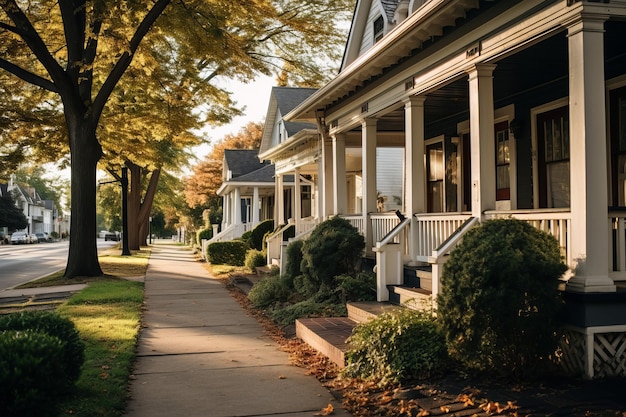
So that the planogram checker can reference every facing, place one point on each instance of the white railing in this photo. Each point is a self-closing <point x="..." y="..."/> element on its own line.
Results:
<point x="432" y="229"/>
<point x="305" y="226"/>
<point x="382" y="224"/>
<point x="231" y="232"/>
<point x="355" y="220"/>
<point x="274" y="244"/>
<point x="617" y="244"/>
<point x="556" y="222"/>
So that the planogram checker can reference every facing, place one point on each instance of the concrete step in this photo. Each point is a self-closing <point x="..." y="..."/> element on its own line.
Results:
<point x="410" y="297"/>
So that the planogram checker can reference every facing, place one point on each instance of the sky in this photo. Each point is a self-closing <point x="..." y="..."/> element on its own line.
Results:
<point x="255" y="96"/>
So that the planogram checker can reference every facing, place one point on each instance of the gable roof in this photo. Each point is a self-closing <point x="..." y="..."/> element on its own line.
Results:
<point x="264" y="174"/>
<point x="242" y="161"/>
<point x="284" y="100"/>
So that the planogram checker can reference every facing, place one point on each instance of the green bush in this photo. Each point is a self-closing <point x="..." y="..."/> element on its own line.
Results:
<point x="285" y="315"/>
<point x="499" y="303"/>
<point x="293" y="260"/>
<point x="255" y="258"/>
<point x="334" y="248"/>
<point x="272" y="289"/>
<point x="395" y="347"/>
<point x="257" y="234"/>
<point x="361" y="287"/>
<point x="227" y="253"/>
<point x="203" y="234"/>
<point x="31" y="366"/>
<point x="53" y="325"/>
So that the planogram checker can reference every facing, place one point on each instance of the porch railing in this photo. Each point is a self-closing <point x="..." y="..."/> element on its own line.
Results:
<point x="383" y="224"/>
<point x="274" y="244"/>
<point x="617" y="244"/>
<point x="355" y="220"/>
<point x="231" y="232"/>
<point x="432" y="229"/>
<point x="556" y="222"/>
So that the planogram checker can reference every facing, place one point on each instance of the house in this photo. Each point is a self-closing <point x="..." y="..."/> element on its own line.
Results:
<point x="247" y="193"/>
<point x="41" y="214"/>
<point x="503" y="108"/>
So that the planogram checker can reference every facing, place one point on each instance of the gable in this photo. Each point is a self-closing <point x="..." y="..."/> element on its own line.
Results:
<point x="239" y="162"/>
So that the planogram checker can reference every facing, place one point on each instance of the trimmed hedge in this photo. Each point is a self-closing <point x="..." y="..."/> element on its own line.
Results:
<point x="203" y="234"/>
<point x="255" y="258"/>
<point x="227" y="253"/>
<point x="53" y="325"/>
<point x="258" y="234"/>
<point x="31" y="366"/>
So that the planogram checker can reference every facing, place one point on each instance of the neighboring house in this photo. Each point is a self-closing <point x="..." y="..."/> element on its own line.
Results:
<point x="295" y="150"/>
<point x="504" y="108"/>
<point x="41" y="214"/>
<point x="247" y="193"/>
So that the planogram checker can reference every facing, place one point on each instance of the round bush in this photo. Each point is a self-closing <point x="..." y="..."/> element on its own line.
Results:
<point x="54" y="325"/>
<point x="258" y="234"/>
<point x="395" y="347"/>
<point x="255" y="258"/>
<point x="334" y="248"/>
<point x="274" y="288"/>
<point x="31" y="366"/>
<point x="499" y="303"/>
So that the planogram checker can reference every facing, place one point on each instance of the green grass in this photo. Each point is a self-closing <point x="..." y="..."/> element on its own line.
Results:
<point x="107" y="314"/>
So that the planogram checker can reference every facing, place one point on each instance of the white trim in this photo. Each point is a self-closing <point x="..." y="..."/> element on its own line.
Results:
<point x="534" y="112"/>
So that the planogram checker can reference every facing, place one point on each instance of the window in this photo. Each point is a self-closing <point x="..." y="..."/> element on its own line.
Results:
<point x="379" y="28"/>
<point x="503" y="162"/>
<point x="553" y="156"/>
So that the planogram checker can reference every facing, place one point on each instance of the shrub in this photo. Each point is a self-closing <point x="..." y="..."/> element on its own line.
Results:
<point x="203" y="234"/>
<point x="229" y="253"/>
<point x="396" y="346"/>
<point x="334" y="248"/>
<point x="31" y="365"/>
<point x="361" y="287"/>
<point x="257" y="234"/>
<point x="255" y="258"/>
<point x="274" y="288"/>
<point x="293" y="261"/>
<point x="285" y="315"/>
<point x="499" y="302"/>
<point x="52" y="324"/>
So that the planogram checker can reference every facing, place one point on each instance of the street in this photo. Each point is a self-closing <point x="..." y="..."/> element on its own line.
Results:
<point x="23" y="263"/>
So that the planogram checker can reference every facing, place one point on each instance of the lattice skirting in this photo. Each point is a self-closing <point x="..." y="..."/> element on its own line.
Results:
<point x="595" y="352"/>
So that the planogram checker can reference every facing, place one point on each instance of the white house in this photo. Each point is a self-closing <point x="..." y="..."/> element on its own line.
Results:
<point x="502" y="108"/>
<point x="41" y="214"/>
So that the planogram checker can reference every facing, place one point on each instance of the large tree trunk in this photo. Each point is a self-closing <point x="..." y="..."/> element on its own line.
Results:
<point x="138" y="211"/>
<point x="85" y="153"/>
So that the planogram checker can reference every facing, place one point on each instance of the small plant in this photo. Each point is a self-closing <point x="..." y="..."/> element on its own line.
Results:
<point x="203" y="234"/>
<point x="255" y="258"/>
<point x="499" y="302"/>
<point x="31" y="365"/>
<point x="272" y="289"/>
<point x="361" y="287"/>
<point x="396" y="346"/>
<point x="52" y="324"/>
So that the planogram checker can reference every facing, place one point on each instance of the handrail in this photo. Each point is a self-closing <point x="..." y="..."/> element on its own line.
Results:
<point x="279" y="231"/>
<point x="393" y="233"/>
<point x="452" y="240"/>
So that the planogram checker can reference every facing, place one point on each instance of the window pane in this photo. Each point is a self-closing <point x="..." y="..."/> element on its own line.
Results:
<point x="547" y="128"/>
<point x="502" y="177"/>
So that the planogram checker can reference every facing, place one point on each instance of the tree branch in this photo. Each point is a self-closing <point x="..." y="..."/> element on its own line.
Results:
<point x="28" y="76"/>
<point x="124" y="61"/>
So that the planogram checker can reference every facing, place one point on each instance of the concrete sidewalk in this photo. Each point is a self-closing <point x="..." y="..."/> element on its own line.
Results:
<point x="200" y="355"/>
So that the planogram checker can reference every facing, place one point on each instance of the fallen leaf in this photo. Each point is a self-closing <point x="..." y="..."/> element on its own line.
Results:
<point x="326" y="411"/>
<point x="282" y="377"/>
<point x="445" y="408"/>
<point x="423" y="413"/>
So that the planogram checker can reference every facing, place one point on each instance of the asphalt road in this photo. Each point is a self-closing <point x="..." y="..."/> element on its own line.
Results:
<point x="23" y="263"/>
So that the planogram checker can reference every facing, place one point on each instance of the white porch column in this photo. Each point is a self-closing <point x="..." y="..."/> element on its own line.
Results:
<point x="368" y="147"/>
<point x="255" y="207"/>
<point x="297" y="199"/>
<point x="225" y="210"/>
<point x="326" y="181"/>
<point x="280" y="199"/>
<point x="588" y="156"/>
<point x="340" y="186"/>
<point x="237" y="206"/>
<point x="414" y="160"/>
<point x="482" y="139"/>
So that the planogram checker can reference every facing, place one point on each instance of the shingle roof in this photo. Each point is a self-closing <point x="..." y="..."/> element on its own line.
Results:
<point x="288" y="98"/>
<point x="242" y="161"/>
<point x="390" y="7"/>
<point x="264" y="174"/>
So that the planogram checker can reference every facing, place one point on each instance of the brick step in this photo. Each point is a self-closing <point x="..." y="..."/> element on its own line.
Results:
<point x="410" y="297"/>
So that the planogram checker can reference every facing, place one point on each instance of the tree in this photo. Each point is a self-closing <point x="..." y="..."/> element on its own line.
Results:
<point x="71" y="55"/>
<point x="10" y="216"/>
<point x="201" y="187"/>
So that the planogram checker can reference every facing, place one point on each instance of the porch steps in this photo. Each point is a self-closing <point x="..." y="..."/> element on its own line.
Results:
<point x="328" y="335"/>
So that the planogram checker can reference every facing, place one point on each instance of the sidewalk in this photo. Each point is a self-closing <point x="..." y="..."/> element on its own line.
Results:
<point x="200" y="355"/>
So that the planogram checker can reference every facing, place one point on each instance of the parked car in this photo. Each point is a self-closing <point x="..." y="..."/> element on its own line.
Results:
<point x="18" y="238"/>
<point x="43" y="237"/>
<point x="33" y="238"/>
<point x="112" y="236"/>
